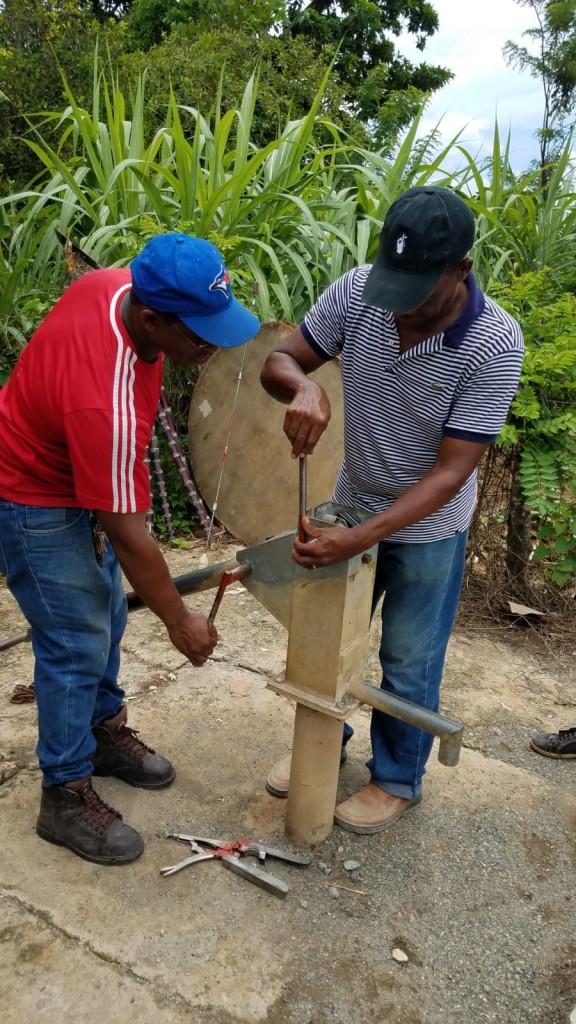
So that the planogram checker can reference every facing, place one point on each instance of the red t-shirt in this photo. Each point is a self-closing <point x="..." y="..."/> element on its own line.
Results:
<point x="77" y="412"/>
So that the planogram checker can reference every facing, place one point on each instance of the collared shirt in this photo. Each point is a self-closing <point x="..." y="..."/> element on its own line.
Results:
<point x="398" y="407"/>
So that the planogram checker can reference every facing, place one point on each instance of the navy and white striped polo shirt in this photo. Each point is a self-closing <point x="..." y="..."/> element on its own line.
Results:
<point x="399" y="407"/>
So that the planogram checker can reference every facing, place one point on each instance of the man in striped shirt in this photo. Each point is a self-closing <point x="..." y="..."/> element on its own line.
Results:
<point x="75" y="422"/>
<point x="429" y="368"/>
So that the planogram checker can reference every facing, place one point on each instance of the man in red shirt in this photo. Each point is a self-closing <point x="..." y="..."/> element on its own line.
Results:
<point x="75" y="421"/>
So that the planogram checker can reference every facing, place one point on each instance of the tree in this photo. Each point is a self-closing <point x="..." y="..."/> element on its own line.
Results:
<point x="553" y="61"/>
<point x="37" y="39"/>
<point x="380" y="88"/>
<point x="105" y="9"/>
<point x="151" y="21"/>
<point x="367" y="62"/>
<point x="198" y="69"/>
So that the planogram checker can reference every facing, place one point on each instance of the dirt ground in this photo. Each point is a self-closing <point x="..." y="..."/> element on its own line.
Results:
<point x="475" y="887"/>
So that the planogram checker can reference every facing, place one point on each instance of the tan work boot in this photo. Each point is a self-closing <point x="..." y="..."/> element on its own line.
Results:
<point x="278" y="781"/>
<point x="73" y="815"/>
<point x="372" y="810"/>
<point x="121" y="753"/>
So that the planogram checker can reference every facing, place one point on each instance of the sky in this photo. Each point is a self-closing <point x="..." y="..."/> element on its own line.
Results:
<point x="469" y="42"/>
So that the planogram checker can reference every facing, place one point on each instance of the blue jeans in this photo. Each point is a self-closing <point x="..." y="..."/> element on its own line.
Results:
<point x="422" y="584"/>
<point x="77" y="611"/>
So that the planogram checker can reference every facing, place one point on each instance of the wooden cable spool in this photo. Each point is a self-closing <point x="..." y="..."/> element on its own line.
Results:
<point x="259" y="490"/>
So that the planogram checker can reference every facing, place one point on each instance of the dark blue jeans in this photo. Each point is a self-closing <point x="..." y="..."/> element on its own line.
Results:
<point x="77" y="611"/>
<point x="422" y="584"/>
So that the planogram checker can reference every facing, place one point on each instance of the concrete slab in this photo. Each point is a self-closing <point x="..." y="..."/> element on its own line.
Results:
<point x="476" y="886"/>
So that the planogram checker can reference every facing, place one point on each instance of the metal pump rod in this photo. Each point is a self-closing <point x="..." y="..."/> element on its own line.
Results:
<point x="303" y="487"/>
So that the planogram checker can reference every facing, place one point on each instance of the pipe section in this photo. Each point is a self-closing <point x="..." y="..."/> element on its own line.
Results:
<point x="450" y="733"/>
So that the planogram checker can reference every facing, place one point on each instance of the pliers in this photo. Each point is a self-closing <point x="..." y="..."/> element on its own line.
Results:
<point x="230" y="852"/>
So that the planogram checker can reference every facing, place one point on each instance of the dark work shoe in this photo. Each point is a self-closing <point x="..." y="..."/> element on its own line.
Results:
<point x="556" y="744"/>
<point x="78" y="819"/>
<point x="120" y="752"/>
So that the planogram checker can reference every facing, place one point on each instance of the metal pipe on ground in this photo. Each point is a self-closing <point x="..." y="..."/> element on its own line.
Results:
<point x="191" y="582"/>
<point x="188" y="583"/>
<point x="20" y="638"/>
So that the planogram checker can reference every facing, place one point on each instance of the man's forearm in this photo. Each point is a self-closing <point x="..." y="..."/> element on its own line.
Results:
<point x="145" y="568"/>
<point x="282" y="377"/>
<point x="143" y="564"/>
<point x="147" y="572"/>
<point x="433" y="491"/>
<point x="308" y="412"/>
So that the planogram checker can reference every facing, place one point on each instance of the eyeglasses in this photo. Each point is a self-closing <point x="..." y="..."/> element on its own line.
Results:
<point x="196" y="345"/>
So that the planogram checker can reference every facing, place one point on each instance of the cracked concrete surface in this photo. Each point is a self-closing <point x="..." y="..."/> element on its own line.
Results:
<point x="476" y="886"/>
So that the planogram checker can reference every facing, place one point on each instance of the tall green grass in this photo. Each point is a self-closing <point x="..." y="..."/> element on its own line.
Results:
<point x="290" y="217"/>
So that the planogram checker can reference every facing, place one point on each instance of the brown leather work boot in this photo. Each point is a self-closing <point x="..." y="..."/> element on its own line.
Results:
<point x="73" y="815"/>
<point x="120" y="752"/>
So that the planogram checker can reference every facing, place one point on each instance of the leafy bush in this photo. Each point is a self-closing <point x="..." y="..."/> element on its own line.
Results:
<point x="542" y="420"/>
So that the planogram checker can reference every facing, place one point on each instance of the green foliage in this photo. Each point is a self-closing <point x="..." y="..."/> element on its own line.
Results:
<point x="104" y="9"/>
<point x="290" y="216"/>
<point x="380" y="90"/>
<point x="523" y="224"/>
<point x="184" y="46"/>
<point x="151" y="21"/>
<point x="370" y="68"/>
<point x="116" y="189"/>
<point x="38" y="39"/>
<point x="22" y="303"/>
<point x="16" y="327"/>
<point x="552" y="59"/>
<point x="197" y="68"/>
<point x="543" y="415"/>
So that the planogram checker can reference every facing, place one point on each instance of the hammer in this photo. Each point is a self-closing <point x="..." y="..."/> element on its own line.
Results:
<point x="230" y="576"/>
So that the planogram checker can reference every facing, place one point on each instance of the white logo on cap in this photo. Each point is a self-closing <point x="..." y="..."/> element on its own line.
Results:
<point x="401" y="244"/>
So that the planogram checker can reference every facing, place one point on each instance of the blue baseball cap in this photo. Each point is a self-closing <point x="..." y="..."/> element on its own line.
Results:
<point x="187" y="277"/>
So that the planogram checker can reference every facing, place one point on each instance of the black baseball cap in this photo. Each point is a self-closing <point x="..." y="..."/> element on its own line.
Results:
<point x="425" y="230"/>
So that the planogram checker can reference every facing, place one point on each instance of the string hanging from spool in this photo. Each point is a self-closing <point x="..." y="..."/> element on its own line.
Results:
<point x="255" y="290"/>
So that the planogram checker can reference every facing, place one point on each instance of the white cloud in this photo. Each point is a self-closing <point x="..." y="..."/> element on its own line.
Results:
<point x="470" y="43"/>
<point x="472" y="131"/>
